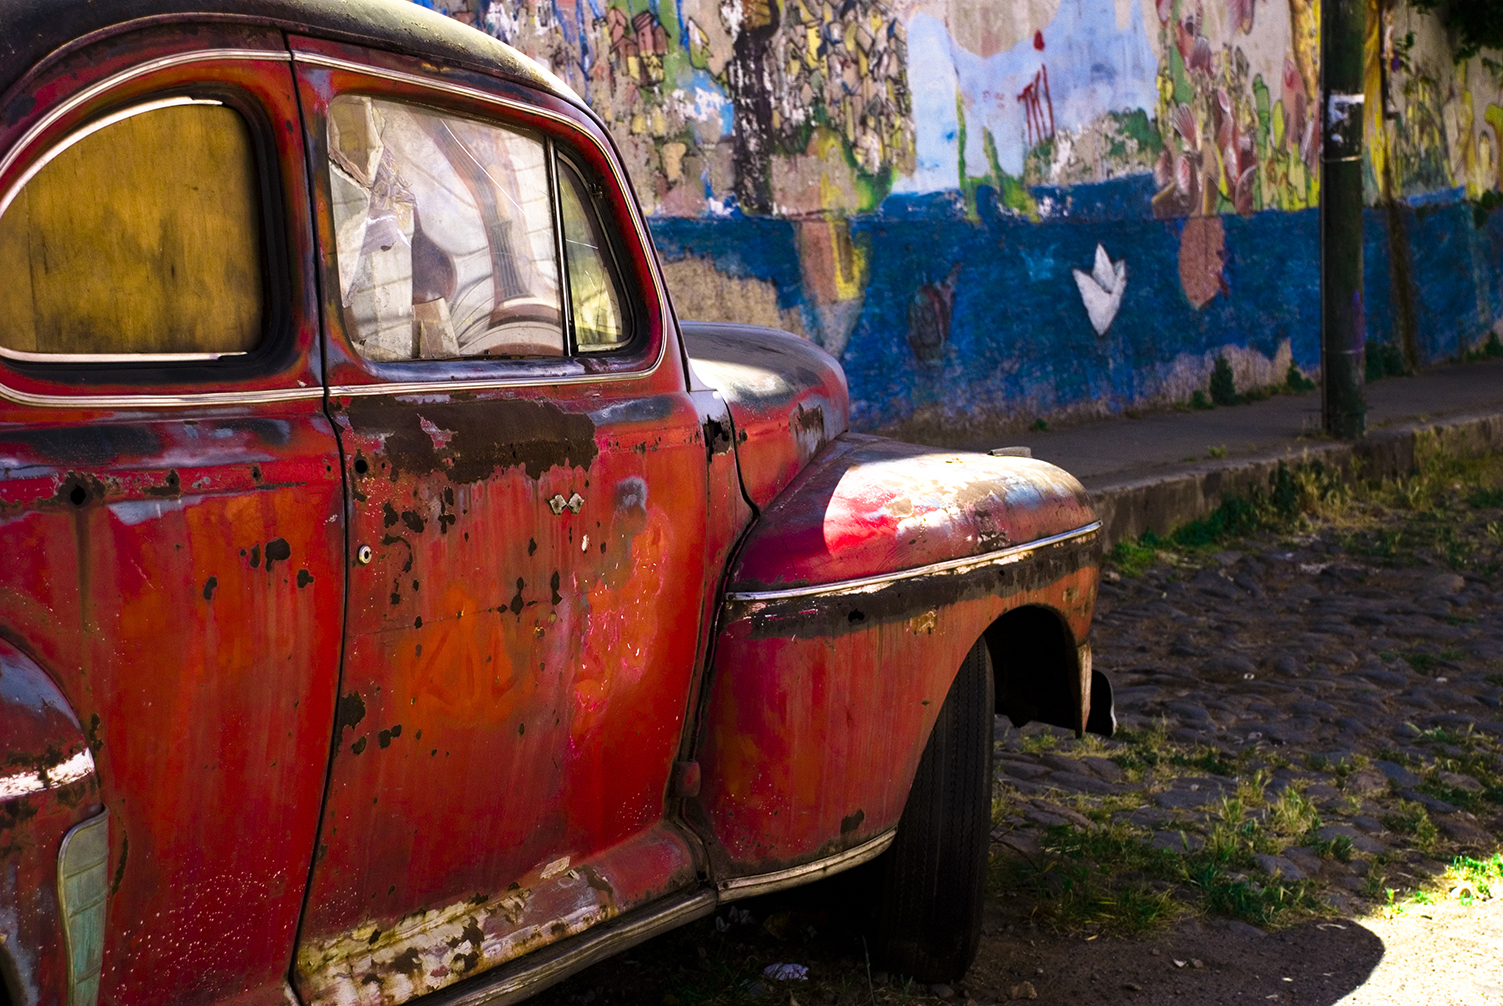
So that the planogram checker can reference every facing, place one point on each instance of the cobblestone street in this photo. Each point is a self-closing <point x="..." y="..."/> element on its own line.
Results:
<point x="1296" y="683"/>
<point x="1310" y="723"/>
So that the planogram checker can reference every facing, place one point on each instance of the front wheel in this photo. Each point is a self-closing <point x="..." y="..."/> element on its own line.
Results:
<point x="931" y="883"/>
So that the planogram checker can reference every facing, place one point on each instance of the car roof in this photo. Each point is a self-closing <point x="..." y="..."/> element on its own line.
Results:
<point x="31" y="30"/>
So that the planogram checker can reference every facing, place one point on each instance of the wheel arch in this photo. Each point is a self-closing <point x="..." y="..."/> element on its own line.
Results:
<point x="1042" y="672"/>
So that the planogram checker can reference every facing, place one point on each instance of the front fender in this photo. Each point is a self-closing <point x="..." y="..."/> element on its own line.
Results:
<point x="851" y="605"/>
<point x="47" y="785"/>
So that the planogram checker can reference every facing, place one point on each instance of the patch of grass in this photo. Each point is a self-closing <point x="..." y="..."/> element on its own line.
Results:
<point x="1258" y="904"/>
<point x="1292" y="814"/>
<point x="1040" y="425"/>
<point x="1472" y="880"/>
<point x="1485" y="498"/>
<point x="1422" y="663"/>
<point x="1131" y="558"/>
<point x="1466" y="881"/>
<point x="1338" y="848"/>
<point x="1037" y="743"/>
<point x="1216" y="452"/>
<point x="1413" y="820"/>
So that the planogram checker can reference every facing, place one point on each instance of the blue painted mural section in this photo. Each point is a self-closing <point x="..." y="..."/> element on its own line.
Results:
<point x="1019" y="341"/>
<point x="1454" y="269"/>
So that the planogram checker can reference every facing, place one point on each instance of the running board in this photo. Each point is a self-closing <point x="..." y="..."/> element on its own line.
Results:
<point x="531" y="974"/>
<point x="535" y="972"/>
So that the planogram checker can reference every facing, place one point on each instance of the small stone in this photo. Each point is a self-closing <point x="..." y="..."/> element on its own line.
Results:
<point x="1463" y="782"/>
<point x="1305" y="858"/>
<point x="1278" y="866"/>
<point x="1196" y="962"/>
<point x="941" y="991"/>
<point x="1366" y="782"/>
<point x="1024" y="990"/>
<point x="1396" y="773"/>
<point x="1132" y="986"/>
<point x="1178" y="841"/>
<point x="1445" y="583"/>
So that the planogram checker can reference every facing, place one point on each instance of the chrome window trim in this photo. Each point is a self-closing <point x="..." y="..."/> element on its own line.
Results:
<point x="119" y="401"/>
<point x="638" y="224"/>
<point x="1000" y="557"/>
<point x="248" y="397"/>
<point x="78" y="136"/>
<point x="94" y="90"/>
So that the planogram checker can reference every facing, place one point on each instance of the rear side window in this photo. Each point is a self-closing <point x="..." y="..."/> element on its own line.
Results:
<point x="444" y="235"/>
<point x="595" y="300"/>
<point x="141" y="237"/>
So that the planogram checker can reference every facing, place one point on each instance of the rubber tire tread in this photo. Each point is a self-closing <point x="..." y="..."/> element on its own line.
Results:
<point x="931" y="883"/>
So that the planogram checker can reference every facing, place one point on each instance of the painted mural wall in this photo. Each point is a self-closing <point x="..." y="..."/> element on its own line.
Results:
<point x="998" y="210"/>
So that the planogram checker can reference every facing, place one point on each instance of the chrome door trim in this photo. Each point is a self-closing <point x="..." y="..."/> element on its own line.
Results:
<point x="1001" y="557"/>
<point x="766" y="883"/>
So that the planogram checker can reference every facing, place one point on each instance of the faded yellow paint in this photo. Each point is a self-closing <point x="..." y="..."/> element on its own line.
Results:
<point x="143" y="237"/>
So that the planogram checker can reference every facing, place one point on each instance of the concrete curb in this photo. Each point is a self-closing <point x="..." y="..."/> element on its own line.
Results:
<point x="1162" y="502"/>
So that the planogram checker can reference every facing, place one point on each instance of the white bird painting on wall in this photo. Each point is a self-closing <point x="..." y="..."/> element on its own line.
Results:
<point x="1101" y="289"/>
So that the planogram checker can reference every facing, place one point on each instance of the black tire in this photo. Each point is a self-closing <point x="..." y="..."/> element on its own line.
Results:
<point x="931" y="883"/>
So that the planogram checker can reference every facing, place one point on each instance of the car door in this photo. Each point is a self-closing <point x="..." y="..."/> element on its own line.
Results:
<point x="170" y="498"/>
<point x="526" y="475"/>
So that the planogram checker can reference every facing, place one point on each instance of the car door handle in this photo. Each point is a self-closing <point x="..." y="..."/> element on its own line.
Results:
<point x="558" y="504"/>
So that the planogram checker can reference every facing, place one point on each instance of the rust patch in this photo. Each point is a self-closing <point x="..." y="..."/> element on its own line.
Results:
<point x="351" y="711"/>
<point x="277" y="550"/>
<point x="209" y="586"/>
<point x="171" y="487"/>
<point x="851" y="822"/>
<point x="481" y="437"/>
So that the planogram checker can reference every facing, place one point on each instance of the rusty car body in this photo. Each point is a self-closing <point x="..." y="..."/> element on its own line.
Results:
<point x="396" y="597"/>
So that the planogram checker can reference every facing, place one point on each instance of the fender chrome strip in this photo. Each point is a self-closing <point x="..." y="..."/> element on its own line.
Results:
<point x="552" y="964"/>
<point x="765" y="883"/>
<point x="1015" y="553"/>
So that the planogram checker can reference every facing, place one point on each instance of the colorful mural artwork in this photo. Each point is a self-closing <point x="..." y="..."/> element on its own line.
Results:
<point x="997" y="210"/>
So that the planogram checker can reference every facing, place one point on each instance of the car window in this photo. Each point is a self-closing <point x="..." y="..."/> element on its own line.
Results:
<point x="595" y="298"/>
<point x="140" y="235"/>
<point x="444" y="235"/>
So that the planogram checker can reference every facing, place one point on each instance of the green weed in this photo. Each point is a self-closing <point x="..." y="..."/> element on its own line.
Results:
<point x="1411" y="819"/>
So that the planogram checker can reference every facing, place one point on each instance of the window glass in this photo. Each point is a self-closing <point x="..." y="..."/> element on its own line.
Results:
<point x="443" y="235"/>
<point x="141" y="237"/>
<point x="594" y="295"/>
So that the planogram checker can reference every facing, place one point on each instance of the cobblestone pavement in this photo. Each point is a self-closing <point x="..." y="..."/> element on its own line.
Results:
<point x="1317" y="714"/>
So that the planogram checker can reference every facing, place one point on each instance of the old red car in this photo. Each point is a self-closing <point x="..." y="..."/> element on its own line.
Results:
<point x="395" y="596"/>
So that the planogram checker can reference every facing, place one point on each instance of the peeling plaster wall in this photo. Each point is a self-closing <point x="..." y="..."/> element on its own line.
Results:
<point x="995" y="210"/>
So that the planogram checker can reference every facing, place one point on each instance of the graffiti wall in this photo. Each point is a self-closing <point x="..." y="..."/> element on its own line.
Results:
<point x="998" y="210"/>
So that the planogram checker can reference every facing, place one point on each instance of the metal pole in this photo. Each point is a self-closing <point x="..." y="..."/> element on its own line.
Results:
<point x="1343" y="322"/>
